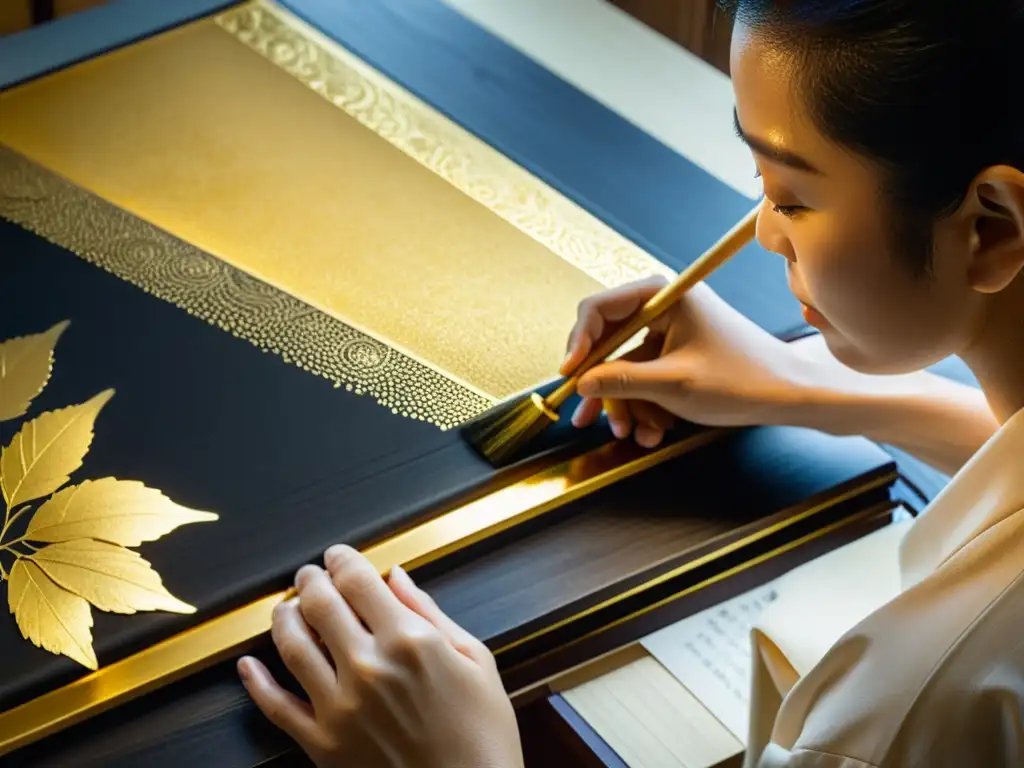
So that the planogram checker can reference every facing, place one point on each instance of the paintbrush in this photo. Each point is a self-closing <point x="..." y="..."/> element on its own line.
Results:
<point x="501" y="433"/>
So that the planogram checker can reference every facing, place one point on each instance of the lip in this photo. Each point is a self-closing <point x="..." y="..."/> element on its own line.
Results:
<point x="812" y="316"/>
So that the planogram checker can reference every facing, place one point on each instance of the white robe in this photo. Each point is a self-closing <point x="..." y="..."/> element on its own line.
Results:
<point x="922" y="664"/>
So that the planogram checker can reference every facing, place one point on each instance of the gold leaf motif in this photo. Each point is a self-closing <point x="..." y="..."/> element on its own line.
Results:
<point x="110" y="577"/>
<point x="47" y="450"/>
<point x="25" y="366"/>
<point x="87" y="526"/>
<point x="122" y="512"/>
<point x="50" y="617"/>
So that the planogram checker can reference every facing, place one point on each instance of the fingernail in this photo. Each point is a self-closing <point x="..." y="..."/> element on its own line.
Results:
<point x="243" y="669"/>
<point x="576" y="415"/>
<point x="619" y="429"/>
<point x="398" y="572"/>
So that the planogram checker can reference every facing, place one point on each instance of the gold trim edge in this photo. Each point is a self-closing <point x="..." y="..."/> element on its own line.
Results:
<point x="760" y="534"/>
<point x="218" y="638"/>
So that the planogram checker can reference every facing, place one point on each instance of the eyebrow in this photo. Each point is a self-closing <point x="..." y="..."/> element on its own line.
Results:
<point x="775" y="153"/>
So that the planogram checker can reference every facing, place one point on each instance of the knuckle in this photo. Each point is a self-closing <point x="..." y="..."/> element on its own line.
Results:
<point x="316" y="601"/>
<point x="585" y="307"/>
<point x="355" y="582"/>
<point x="411" y="645"/>
<point x="485" y="657"/>
<point x="620" y="382"/>
<point x="275" y="710"/>
<point x="289" y="651"/>
<point x="367" y="669"/>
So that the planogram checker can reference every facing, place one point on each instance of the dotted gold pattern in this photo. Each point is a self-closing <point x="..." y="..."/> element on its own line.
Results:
<point x="206" y="287"/>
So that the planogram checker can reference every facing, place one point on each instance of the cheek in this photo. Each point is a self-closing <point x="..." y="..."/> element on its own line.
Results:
<point x="882" y="318"/>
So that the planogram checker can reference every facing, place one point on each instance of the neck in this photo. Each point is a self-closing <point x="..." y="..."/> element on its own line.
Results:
<point x="996" y="358"/>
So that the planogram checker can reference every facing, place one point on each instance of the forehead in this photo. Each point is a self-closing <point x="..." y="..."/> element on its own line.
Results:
<point x="765" y="83"/>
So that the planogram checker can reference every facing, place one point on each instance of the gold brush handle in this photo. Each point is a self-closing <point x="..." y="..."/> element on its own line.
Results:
<point x="726" y="247"/>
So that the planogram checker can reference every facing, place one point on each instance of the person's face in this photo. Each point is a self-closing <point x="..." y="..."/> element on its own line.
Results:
<point x="832" y="225"/>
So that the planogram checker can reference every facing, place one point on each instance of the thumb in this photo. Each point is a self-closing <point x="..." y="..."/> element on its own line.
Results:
<point x="623" y="379"/>
<point x="419" y="602"/>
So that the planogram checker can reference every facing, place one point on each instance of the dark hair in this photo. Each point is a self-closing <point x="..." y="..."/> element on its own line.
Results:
<point x="927" y="89"/>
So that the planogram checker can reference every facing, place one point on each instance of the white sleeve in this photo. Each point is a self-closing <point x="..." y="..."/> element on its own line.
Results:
<point x="775" y="756"/>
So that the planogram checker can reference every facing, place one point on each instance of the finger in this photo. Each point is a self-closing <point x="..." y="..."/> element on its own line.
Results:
<point x="598" y="314"/>
<point x="282" y="708"/>
<point x="652" y="422"/>
<point x="656" y="380"/>
<point x="363" y="589"/>
<point x="420" y="602"/>
<point x="587" y="412"/>
<point x="301" y="653"/>
<point x="652" y="346"/>
<point x="648" y="414"/>
<point x="327" y="613"/>
<point x="619" y="418"/>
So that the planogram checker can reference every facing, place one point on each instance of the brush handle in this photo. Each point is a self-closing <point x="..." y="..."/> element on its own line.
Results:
<point x="726" y="247"/>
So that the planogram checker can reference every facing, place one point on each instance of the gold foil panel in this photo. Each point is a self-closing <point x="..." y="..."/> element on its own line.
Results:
<point x="213" y="290"/>
<point x="252" y="139"/>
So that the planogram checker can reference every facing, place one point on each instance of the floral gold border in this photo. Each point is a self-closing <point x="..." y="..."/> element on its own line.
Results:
<point x="437" y="143"/>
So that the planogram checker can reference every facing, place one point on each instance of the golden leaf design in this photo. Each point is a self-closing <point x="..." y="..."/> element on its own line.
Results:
<point x="50" y="617"/>
<point x="25" y="366"/>
<point x="110" y="577"/>
<point x="122" y="512"/>
<point x="87" y="526"/>
<point x="47" y="450"/>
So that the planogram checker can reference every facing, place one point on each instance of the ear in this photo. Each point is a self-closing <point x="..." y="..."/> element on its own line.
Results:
<point x="995" y="207"/>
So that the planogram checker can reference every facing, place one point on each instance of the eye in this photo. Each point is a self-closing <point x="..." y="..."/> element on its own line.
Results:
<point x="788" y="210"/>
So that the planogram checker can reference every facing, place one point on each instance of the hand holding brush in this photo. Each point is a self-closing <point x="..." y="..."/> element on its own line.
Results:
<point x="502" y="433"/>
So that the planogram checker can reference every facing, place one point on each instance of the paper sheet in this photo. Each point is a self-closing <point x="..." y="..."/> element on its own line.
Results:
<point x="710" y="654"/>
<point x="803" y="611"/>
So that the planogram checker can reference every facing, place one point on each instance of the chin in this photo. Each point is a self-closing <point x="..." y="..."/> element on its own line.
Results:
<point x="864" y="360"/>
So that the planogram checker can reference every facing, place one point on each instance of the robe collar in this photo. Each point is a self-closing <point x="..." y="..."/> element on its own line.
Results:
<point x="987" y="490"/>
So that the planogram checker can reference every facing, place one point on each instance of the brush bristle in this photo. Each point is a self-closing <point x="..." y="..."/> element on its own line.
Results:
<point x="501" y="433"/>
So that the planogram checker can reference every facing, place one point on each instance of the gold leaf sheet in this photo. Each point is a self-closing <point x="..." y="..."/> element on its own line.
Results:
<point x="50" y="617"/>
<point x="46" y="450"/>
<point x="25" y="365"/>
<point x="120" y="512"/>
<point x="110" y="577"/>
<point x="255" y="139"/>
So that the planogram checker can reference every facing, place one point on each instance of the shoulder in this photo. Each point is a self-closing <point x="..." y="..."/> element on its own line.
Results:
<point x="969" y="709"/>
<point x="920" y="678"/>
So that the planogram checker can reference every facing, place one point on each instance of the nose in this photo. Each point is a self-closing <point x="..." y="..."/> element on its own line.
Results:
<point x="770" y="233"/>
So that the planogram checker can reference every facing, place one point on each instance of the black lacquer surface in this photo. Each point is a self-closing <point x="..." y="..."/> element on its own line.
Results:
<point x="290" y="463"/>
